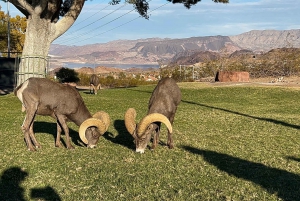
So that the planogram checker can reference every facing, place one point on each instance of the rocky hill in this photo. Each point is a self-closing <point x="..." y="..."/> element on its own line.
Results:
<point x="263" y="41"/>
<point x="155" y="50"/>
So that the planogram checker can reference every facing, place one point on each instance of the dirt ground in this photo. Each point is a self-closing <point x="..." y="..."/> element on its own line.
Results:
<point x="269" y="81"/>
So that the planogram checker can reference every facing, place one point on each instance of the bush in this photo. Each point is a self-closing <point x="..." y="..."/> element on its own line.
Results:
<point x="67" y="75"/>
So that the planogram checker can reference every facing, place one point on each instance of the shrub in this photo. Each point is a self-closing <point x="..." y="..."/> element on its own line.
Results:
<point x="67" y="75"/>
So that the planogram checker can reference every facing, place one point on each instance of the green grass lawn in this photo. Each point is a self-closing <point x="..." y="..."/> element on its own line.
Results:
<point x="231" y="143"/>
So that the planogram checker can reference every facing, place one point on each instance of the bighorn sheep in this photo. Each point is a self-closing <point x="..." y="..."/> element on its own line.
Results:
<point x="161" y="109"/>
<point x="94" y="84"/>
<point x="41" y="96"/>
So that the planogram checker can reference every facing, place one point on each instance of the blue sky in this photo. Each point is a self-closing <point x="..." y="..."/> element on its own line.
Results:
<point x="101" y="23"/>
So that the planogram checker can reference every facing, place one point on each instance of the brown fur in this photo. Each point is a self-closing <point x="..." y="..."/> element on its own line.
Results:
<point x="41" y="96"/>
<point x="164" y="100"/>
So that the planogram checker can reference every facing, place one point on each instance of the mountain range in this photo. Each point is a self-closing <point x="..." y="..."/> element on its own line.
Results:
<point x="163" y="50"/>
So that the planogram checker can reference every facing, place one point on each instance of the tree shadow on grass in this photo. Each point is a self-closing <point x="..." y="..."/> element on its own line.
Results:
<point x="123" y="138"/>
<point x="50" y="128"/>
<point x="284" y="184"/>
<point x="275" y="121"/>
<point x="11" y="190"/>
<point x="246" y="115"/>
<point x="293" y="158"/>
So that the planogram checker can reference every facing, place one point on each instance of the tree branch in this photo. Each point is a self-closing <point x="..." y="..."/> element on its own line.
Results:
<point x="68" y="19"/>
<point x="23" y="6"/>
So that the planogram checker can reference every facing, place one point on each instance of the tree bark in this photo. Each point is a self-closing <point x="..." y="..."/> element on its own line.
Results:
<point x="43" y="27"/>
<point x="34" y="60"/>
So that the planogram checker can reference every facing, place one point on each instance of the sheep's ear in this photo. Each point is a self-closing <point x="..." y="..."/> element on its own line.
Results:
<point x="88" y="123"/>
<point x="130" y="121"/>
<point x="134" y="134"/>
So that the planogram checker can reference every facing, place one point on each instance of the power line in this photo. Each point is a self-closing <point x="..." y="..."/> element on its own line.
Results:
<point x="77" y="23"/>
<point x="117" y="26"/>
<point x="76" y="37"/>
<point x="90" y="17"/>
<point x="121" y="24"/>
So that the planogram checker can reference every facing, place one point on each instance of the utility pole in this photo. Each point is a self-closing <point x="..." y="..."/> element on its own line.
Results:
<point x="8" y="31"/>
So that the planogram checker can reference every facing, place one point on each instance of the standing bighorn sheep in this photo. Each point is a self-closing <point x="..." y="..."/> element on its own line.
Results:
<point x="41" y="96"/>
<point x="94" y="84"/>
<point x="161" y="109"/>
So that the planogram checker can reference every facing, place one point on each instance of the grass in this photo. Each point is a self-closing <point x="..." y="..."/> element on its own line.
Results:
<point x="231" y="143"/>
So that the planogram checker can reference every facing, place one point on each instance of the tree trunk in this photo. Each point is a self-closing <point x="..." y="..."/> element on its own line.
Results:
<point x="34" y="61"/>
<point x="43" y="27"/>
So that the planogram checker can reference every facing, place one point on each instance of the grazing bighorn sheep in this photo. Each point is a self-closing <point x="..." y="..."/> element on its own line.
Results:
<point x="41" y="96"/>
<point x="161" y="109"/>
<point x="94" y="84"/>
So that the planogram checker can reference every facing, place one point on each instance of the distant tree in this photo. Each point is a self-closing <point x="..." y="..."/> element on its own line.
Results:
<point x="49" y="19"/>
<point x="17" y="32"/>
<point x="176" y="75"/>
<point x="122" y="75"/>
<point x="67" y="75"/>
<point x="3" y="32"/>
<point x="109" y="81"/>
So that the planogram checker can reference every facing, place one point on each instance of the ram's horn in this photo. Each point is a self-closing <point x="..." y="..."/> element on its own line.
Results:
<point x="103" y="116"/>
<point x="88" y="123"/>
<point x="130" y="124"/>
<point x="150" y="118"/>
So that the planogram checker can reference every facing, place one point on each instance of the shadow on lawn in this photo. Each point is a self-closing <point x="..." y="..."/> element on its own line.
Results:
<point x="11" y="190"/>
<point x="123" y="138"/>
<point x="284" y="184"/>
<point x="234" y="112"/>
<point x="50" y="128"/>
<point x="293" y="158"/>
<point x="246" y="115"/>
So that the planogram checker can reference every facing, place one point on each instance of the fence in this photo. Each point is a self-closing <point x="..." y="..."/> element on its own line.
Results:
<point x="32" y="66"/>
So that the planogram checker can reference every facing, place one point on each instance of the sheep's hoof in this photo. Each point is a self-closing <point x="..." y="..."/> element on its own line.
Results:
<point x="59" y="145"/>
<point x="31" y="149"/>
<point x="70" y="147"/>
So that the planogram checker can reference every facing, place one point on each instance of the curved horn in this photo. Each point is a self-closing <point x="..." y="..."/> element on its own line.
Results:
<point x="103" y="116"/>
<point x="130" y="124"/>
<point x="88" y="123"/>
<point x="150" y="118"/>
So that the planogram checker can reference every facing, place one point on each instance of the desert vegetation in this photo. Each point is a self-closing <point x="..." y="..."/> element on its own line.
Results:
<point x="282" y="62"/>
<point x="275" y="63"/>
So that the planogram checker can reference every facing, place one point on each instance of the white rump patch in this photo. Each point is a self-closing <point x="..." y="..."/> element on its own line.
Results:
<point x="20" y="91"/>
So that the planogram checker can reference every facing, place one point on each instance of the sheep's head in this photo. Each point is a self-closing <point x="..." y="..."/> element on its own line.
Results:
<point x="91" y="129"/>
<point x="142" y="132"/>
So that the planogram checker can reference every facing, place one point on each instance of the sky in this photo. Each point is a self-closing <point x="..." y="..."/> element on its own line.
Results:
<point x="100" y="22"/>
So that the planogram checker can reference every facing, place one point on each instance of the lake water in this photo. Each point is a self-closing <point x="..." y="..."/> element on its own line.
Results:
<point x="122" y="66"/>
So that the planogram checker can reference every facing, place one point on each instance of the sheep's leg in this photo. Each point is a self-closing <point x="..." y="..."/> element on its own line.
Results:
<point x="156" y="136"/>
<point x="28" y="121"/>
<point x="170" y="139"/>
<point x="62" y="121"/>
<point x="32" y="136"/>
<point x="93" y="88"/>
<point x="31" y="105"/>
<point x="58" y="134"/>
